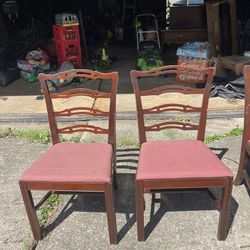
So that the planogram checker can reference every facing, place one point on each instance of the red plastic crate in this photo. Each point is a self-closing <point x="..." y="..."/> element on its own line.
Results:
<point x="68" y="50"/>
<point x="67" y="44"/>
<point x="68" y="33"/>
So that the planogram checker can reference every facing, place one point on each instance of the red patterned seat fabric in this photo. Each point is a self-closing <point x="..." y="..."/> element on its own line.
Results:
<point x="179" y="159"/>
<point x="72" y="162"/>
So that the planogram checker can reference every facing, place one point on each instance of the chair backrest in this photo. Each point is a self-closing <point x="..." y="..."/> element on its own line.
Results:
<point x="80" y="92"/>
<point x="246" y="132"/>
<point x="186" y="88"/>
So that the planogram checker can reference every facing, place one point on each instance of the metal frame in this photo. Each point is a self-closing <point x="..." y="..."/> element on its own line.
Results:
<point x="159" y="185"/>
<point x="242" y="174"/>
<point x="106" y="188"/>
<point x="138" y="33"/>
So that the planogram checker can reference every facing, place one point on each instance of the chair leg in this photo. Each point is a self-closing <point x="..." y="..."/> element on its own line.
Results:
<point x="225" y="210"/>
<point x="114" y="171"/>
<point x="31" y="212"/>
<point x="115" y="179"/>
<point x="242" y="166"/>
<point x="110" y="208"/>
<point x="152" y="210"/>
<point x="140" y="210"/>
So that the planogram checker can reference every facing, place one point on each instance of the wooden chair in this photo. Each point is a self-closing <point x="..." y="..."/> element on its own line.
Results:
<point x="74" y="167"/>
<point x="243" y="170"/>
<point x="180" y="164"/>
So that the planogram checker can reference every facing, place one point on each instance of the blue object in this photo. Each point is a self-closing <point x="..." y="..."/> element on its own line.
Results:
<point x="189" y="2"/>
<point x="196" y="50"/>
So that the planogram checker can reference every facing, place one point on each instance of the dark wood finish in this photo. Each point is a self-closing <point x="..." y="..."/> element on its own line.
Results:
<point x="213" y="26"/>
<point x="45" y="197"/>
<point x="109" y="202"/>
<point x="81" y="73"/>
<point x="105" y="188"/>
<point x="195" y="183"/>
<point x="209" y="72"/>
<point x="225" y="210"/>
<point x="188" y="17"/>
<point x="181" y="36"/>
<point x="172" y="125"/>
<point x="31" y="212"/>
<point x="242" y="174"/>
<point x="139" y="199"/>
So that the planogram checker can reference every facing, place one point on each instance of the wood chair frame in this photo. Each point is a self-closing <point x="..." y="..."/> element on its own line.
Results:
<point x="159" y="185"/>
<point x="243" y="174"/>
<point x="73" y="187"/>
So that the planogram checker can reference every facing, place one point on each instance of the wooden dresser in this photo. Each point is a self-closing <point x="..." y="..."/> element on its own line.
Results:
<point x="181" y="36"/>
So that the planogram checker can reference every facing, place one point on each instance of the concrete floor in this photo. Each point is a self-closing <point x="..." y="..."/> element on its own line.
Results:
<point x="23" y="98"/>
<point x="181" y="221"/>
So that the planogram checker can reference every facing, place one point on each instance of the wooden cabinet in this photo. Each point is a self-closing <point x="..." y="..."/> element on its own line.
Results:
<point x="222" y="27"/>
<point x="186" y="24"/>
<point x="188" y="17"/>
<point x="181" y="36"/>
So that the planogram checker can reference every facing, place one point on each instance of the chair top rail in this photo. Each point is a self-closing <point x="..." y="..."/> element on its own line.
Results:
<point x="81" y="73"/>
<point x="171" y="69"/>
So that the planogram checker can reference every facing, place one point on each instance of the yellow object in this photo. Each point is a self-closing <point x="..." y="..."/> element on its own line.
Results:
<point x="104" y="56"/>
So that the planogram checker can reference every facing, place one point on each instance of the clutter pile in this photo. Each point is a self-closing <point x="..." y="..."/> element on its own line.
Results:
<point x="37" y="61"/>
<point x="193" y="55"/>
<point x="54" y="85"/>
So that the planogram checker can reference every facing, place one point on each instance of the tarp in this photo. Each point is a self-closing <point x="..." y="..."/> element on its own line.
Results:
<point x="231" y="87"/>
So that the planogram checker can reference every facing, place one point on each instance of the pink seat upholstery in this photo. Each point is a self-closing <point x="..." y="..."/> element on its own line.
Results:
<point x="179" y="159"/>
<point x="71" y="162"/>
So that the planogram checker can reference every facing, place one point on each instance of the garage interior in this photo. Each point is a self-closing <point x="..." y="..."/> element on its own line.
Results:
<point x="27" y="25"/>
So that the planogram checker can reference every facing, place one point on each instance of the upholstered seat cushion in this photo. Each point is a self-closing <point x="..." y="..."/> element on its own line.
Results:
<point x="179" y="159"/>
<point x="72" y="162"/>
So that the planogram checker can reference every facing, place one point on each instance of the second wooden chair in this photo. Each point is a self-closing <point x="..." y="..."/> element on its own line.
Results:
<point x="181" y="164"/>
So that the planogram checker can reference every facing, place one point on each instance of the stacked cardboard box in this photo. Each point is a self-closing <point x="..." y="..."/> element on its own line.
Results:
<point x="193" y="55"/>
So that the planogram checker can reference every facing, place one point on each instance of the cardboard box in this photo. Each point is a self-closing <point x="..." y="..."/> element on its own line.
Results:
<point x="234" y="63"/>
<point x="194" y="63"/>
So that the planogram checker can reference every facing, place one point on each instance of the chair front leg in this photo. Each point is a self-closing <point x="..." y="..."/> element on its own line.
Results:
<point x="225" y="210"/>
<point x="140" y="210"/>
<point x="31" y="212"/>
<point x="110" y="208"/>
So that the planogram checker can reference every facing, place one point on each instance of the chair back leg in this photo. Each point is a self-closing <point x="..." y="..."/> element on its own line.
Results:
<point x="225" y="210"/>
<point x="110" y="208"/>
